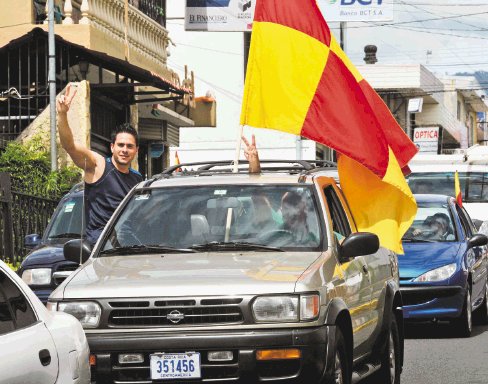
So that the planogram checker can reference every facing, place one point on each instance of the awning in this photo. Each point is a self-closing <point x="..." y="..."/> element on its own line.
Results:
<point x="139" y="75"/>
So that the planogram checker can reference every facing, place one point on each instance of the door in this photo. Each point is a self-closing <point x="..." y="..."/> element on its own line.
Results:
<point x="476" y="259"/>
<point x="28" y="354"/>
<point x="357" y="277"/>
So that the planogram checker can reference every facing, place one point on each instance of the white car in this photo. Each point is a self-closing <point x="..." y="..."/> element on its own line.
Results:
<point x="38" y="346"/>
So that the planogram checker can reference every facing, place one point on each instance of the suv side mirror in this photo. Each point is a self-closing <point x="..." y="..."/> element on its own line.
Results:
<point x="31" y="241"/>
<point x="358" y="244"/>
<point x="477" y="240"/>
<point x="73" y="248"/>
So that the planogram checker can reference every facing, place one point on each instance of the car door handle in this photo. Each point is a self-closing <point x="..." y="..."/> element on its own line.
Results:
<point x="45" y="357"/>
<point x="365" y="269"/>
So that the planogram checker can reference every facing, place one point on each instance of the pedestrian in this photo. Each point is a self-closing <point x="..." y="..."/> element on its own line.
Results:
<point x="107" y="180"/>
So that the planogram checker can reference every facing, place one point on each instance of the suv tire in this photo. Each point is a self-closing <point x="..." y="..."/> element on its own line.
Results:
<point x="341" y="371"/>
<point x="390" y="370"/>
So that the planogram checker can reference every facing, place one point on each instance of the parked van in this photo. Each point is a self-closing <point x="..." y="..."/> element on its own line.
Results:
<point x="435" y="174"/>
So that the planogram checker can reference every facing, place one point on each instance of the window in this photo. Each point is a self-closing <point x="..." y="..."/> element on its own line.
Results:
<point x="13" y="301"/>
<point x="340" y="224"/>
<point x="458" y="115"/>
<point x="6" y="318"/>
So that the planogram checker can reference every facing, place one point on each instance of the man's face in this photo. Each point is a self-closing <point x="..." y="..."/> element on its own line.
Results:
<point x="124" y="149"/>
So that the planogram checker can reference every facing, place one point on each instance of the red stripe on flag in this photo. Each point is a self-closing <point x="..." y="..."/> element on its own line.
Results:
<point x="304" y="16"/>
<point x="341" y="118"/>
<point x="403" y="148"/>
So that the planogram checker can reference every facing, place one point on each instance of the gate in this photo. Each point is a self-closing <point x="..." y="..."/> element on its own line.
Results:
<point x="21" y="214"/>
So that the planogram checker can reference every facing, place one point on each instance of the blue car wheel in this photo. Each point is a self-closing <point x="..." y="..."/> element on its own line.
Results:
<point x="464" y="324"/>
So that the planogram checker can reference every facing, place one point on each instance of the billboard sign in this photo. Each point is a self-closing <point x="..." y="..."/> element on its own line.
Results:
<point x="356" y="10"/>
<point x="219" y="15"/>
<point x="426" y="139"/>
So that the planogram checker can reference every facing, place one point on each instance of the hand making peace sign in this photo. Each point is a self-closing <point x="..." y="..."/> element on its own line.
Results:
<point x="63" y="102"/>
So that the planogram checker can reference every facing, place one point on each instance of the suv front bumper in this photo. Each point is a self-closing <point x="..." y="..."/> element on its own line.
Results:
<point x="244" y="368"/>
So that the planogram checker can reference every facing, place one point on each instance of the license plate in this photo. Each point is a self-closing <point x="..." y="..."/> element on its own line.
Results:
<point x="175" y="366"/>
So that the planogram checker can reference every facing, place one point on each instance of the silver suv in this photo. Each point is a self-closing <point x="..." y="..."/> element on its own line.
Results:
<point x="213" y="276"/>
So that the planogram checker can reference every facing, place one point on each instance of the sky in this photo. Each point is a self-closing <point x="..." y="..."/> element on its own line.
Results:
<point x="453" y="38"/>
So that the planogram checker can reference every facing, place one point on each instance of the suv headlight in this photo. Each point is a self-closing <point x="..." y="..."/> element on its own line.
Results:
<point x="438" y="274"/>
<point x="37" y="276"/>
<point x="87" y="312"/>
<point x="286" y="308"/>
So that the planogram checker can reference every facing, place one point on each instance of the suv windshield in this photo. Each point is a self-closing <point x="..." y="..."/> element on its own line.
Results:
<point x="433" y="222"/>
<point x="474" y="185"/>
<point x="226" y="217"/>
<point x="67" y="222"/>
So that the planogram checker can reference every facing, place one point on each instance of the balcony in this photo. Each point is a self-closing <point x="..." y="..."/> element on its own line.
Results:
<point x="100" y="25"/>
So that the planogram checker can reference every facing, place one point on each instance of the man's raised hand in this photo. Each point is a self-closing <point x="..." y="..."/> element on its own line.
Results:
<point x="63" y="102"/>
<point x="251" y="154"/>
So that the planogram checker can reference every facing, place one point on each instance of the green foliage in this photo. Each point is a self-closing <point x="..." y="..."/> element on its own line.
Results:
<point x="13" y="265"/>
<point x="29" y="166"/>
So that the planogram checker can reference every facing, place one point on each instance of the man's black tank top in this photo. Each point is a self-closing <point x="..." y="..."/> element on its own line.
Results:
<point x="104" y="196"/>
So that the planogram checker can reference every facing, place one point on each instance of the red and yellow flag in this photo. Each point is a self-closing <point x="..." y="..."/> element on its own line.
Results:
<point x="300" y="81"/>
<point x="457" y="189"/>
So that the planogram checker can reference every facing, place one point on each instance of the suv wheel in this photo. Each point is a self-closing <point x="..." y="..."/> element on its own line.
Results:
<point x="342" y="373"/>
<point x="389" y="372"/>
<point x="464" y="324"/>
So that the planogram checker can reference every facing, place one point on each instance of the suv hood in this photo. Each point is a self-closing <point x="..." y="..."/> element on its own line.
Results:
<point x="192" y="274"/>
<point x="45" y="254"/>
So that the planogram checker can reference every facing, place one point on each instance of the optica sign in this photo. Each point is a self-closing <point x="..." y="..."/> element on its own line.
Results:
<point x="356" y="10"/>
<point x="426" y="139"/>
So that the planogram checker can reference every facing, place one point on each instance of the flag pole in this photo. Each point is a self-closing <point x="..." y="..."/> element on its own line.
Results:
<point x="238" y="149"/>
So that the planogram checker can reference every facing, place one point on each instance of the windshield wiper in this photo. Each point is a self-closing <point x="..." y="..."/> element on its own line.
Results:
<point x="234" y="245"/>
<point x="141" y="248"/>
<point x="415" y="240"/>
<point x="65" y="236"/>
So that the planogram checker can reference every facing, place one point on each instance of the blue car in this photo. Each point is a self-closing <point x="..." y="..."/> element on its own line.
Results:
<point x="443" y="273"/>
<point x="45" y="267"/>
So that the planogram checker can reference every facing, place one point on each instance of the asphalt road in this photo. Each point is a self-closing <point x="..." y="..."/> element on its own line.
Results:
<point x="433" y="355"/>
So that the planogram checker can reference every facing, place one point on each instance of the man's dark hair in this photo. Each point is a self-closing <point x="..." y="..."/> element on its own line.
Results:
<point x="125" y="128"/>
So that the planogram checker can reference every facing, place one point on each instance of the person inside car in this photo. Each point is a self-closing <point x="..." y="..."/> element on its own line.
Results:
<point x="436" y="227"/>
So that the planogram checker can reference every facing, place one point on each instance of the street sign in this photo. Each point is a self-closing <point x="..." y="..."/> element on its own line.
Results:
<point x="356" y="10"/>
<point x="219" y="15"/>
<point x="426" y="139"/>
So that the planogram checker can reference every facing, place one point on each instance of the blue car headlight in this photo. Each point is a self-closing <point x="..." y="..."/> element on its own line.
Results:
<point x="437" y="274"/>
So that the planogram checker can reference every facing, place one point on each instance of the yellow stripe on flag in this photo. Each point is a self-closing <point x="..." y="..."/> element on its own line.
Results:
<point x="385" y="206"/>
<point x="281" y="81"/>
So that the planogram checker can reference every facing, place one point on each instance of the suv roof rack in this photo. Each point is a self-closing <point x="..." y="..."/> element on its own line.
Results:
<point x="207" y="168"/>
<point x="281" y="165"/>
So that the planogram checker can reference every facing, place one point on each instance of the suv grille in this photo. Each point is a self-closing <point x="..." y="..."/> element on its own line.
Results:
<point x="175" y="313"/>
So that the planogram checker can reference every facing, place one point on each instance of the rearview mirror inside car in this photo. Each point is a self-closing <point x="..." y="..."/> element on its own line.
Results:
<point x="358" y="244"/>
<point x="75" y="249"/>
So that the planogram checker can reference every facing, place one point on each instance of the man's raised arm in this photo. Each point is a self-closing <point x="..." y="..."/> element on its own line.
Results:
<point x="81" y="155"/>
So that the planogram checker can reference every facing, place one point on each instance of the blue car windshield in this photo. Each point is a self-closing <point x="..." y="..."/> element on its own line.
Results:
<point x="284" y="217"/>
<point x="474" y="185"/>
<point x="67" y="220"/>
<point x="433" y="222"/>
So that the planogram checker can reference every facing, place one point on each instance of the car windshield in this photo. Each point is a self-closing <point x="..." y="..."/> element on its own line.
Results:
<point x="215" y="218"/>
<point x="433" y="222"/>
<point x="66" y="223"/>
<point x="474" y="185"/>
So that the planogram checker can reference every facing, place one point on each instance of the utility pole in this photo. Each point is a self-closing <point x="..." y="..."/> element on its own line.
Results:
<point x="52" y="84"/>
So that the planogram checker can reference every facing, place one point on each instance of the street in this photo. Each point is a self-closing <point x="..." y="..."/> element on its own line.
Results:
<point x="433" y="356"/>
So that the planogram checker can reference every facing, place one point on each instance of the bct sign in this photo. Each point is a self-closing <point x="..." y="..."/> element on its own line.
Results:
<point x="426" y="139"/>
<point x="356" y="10"/>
